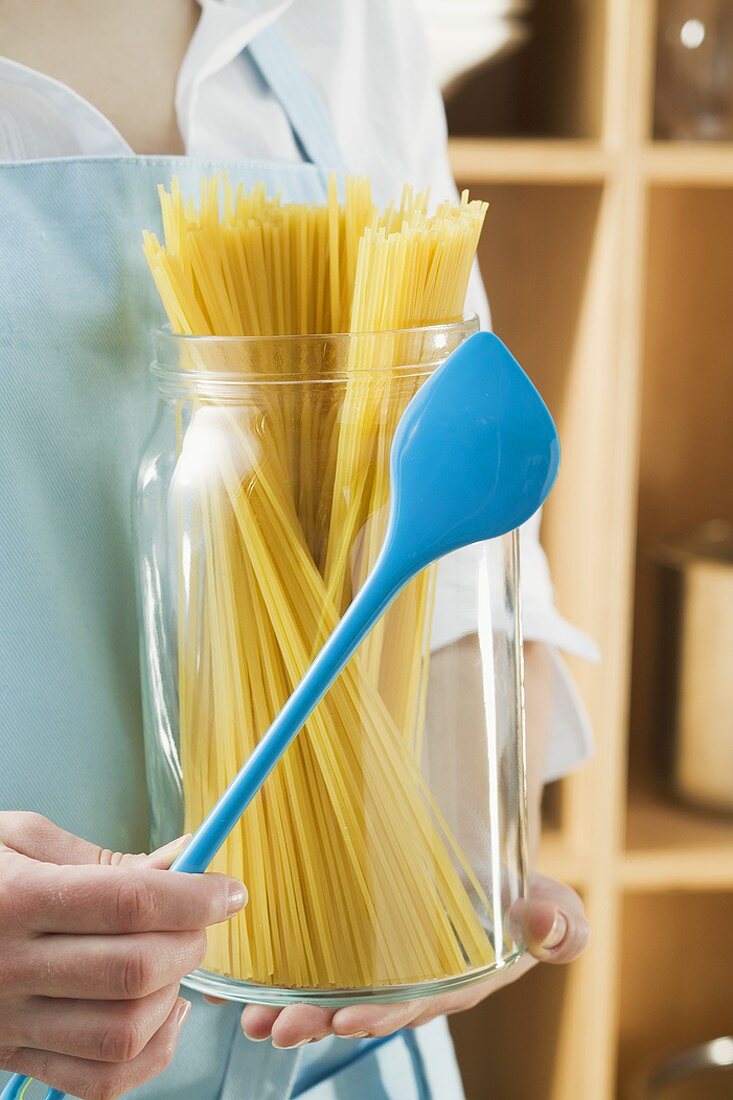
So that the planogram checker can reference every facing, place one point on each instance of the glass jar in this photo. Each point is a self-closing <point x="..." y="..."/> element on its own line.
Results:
<point x="385" y="851"/>
<point x="694" y="70"/>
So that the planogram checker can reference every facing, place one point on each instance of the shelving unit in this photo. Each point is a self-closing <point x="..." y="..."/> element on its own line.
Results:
<point x="608" y="259"/>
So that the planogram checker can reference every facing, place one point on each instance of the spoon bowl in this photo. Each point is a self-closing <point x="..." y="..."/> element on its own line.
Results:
<point x="474" y="455"/>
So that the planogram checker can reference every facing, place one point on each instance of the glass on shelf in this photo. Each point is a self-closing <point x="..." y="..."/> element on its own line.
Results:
<point x="694" y="79"/>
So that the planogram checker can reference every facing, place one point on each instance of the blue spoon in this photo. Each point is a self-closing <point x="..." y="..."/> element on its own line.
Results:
<point x="474" y="455"/>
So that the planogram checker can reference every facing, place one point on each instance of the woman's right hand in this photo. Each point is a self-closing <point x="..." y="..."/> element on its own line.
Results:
<point x="93" y="946"/>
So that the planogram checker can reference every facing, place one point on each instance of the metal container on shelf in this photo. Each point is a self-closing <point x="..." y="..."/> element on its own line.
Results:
<point x="702" y="1072"/>
<point x="695" y="612"/>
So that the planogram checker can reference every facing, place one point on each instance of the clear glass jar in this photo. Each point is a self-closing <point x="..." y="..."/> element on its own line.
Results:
<point x="384" y="852"/>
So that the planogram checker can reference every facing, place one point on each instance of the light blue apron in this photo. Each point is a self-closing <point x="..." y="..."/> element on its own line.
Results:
<point x="77" y="309"/>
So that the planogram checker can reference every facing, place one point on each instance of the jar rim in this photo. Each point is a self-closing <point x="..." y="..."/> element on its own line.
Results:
<point x="171" y="375"/>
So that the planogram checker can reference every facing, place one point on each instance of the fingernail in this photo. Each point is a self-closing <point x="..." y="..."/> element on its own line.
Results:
<point x="171" y="849"/>
<point x="183" y="1010"/>
<point x="289" y="1046"/>
<point x="557" y="933"/>
<point x="354" y="1035"/>
<point x="237" y="898"/>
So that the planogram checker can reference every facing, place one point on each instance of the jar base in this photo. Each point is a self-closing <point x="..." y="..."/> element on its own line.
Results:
<point x="216" y="985"/>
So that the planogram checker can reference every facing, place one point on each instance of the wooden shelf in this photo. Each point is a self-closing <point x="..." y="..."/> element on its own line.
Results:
<point x="670" y="847"/>
<point x="496" y="160"/>
<point x="488" y="160"/>
<point x="694" y="163"/>
<point x="478" y="160"/>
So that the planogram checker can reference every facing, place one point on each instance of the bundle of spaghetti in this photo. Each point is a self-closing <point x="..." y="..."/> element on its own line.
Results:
<point x="355" y="880"/>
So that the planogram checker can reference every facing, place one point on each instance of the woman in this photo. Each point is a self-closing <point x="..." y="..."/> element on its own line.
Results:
<point x="93" y="945"/>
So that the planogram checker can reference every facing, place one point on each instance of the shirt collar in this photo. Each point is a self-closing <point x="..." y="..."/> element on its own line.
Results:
<point x="223" y="31"/>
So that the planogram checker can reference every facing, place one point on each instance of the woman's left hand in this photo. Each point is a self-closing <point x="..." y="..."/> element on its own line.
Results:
<point x="552" y="923"/>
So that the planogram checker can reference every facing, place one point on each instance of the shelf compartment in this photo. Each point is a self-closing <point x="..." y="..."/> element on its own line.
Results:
<point x="551" y="87"/>
<point x="488" y="160"/>
<point x="674" y="983"/>
<point x="686" y="452"/>
<point x="671" y="847"/>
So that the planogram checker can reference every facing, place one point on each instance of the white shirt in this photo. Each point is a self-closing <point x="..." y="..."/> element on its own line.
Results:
<point x="369" y="61"/>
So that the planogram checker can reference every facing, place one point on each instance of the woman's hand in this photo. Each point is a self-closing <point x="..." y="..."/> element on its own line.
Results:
<point x="551" y="922"/>
<point x="93" y="946"/>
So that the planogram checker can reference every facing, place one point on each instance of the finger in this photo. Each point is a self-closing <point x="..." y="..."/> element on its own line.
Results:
<point x="45" y="898"/>
<point x="163" y="857"/>
<point x="461" y="1000"/>
<point x="105" y="1031"/>
<point x="257" y="1021"/>
<point x="215" y="1000"/>
<point x="358" y="1021"/>
<point x="106" y="968"/>
<point x="38" y="838"/>
<point x="553" y="935"/>
<point x="299" y="1024"/>
<point x="542" y="888"/>
<point x="90" y="1079"/>
<point x="551" y="921"/>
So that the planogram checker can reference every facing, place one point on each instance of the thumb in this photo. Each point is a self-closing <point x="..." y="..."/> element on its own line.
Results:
<point x="551" y="920"/>
<point x="38" y="838"/>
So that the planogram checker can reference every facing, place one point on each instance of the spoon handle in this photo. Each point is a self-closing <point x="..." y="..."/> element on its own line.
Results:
<point x="372" y="600"/>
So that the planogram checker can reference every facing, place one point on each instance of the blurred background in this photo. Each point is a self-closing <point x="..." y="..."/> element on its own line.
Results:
<point x="601" y="131"/>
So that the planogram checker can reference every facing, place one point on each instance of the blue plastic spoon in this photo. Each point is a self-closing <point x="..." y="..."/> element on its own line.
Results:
<point x="474" y="455"/>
